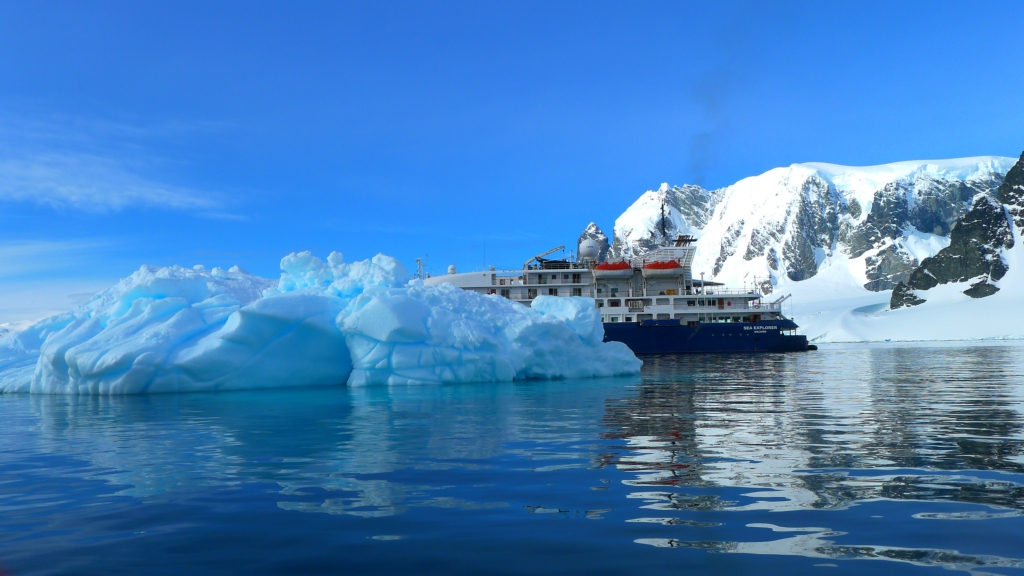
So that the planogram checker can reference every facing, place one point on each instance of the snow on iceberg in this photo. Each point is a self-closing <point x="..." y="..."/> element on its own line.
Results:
<point x="323" y="323"/>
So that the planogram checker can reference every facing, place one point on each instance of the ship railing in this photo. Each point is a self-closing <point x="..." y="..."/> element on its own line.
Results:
<point x="713" y="291"/>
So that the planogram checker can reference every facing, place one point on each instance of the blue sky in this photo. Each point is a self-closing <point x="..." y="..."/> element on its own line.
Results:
<point x="233" y="133"/>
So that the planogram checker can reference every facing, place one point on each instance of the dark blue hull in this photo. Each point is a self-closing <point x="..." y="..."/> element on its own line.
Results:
<point x="672" y="337"/>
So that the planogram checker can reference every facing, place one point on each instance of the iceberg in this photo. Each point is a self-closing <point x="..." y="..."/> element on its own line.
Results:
<point x="322" y="323"/>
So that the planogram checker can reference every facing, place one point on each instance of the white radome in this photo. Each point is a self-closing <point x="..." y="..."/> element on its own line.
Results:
<point x="589" y="249"/>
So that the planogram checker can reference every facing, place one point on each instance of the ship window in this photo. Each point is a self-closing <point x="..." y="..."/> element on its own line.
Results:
<point x="615" y="303"/>
<point x="506" y="293"/>
<point x="662" y="301"/>
<point x="600" y="290"/>
<point x="501" y="282"/>
<point x="700" y="302"/>
<point x="577" y="291"/>
<point x="629" y="318"/>
<point x="614" y="318"/>
<point x="554" y="276"/>
<point x="662" y="293"/>
<point x="531" y="293"/>
<point x="565" y="276"/>
<point x="691" y="302"/>
<point x="735" y="318"/>
<point x="677" y="316"/>
<point x="542" y="279"/>
<point x="577" y="278"/>
<point x="600" y="304"/>
<point x="552" y="291"/>
<point x="663" y="316"/>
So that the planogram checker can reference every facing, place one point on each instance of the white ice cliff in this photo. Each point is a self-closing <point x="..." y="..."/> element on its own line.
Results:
<point x="324" y="323"/>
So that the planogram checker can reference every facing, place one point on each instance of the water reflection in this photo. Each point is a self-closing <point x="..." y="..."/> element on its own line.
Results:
<point x="817" y="545"/>
<point x="911" y="454"/>
<point x="812" y="434"/>
<point x="331" y="451"/>
<point x="921" y="425"/>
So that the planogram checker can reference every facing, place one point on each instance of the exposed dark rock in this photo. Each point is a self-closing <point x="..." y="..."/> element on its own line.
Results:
<point x="937" y="205"/>
<point x="798" y="255"/>
<point x="688" y="203"/>
<point x="761" y="239"/>
<point x="1011" y="192"/>
<point x="732" y="235"/>
<point x="861" y="238"/>
<point x="817" y="215"/>
<point x="694" y="203"/>
<point x="813" y="223"/>
<point x="940" y="203"/>
<point x="922" y="279"/>
<point x="888" y="216"/>
<point x="853" y="207"/>
<point x="981" y="289"/>
<point x="888" y="268"/>
<point x="592" y="232"/>
<point x="903" y="297"/>
<point x="975" y="243"/>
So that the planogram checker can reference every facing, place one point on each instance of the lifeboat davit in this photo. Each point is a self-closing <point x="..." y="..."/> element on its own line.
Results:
<point x="620" y="269"/>
<point x="662" y="269"/>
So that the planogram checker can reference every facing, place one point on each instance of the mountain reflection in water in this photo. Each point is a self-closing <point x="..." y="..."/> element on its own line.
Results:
<point x="909" y="455"/>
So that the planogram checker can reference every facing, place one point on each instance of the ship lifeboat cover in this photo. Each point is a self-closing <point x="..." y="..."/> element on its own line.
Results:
<point x="620" y="265"/>
<point x="662" y="265"/>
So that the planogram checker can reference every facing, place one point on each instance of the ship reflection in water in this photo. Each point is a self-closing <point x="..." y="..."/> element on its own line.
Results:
<point x="921" y="426"/>
<point x="912" y="456"/>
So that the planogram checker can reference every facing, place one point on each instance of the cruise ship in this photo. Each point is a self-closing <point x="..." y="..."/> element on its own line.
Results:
<point x="653" y="304"/>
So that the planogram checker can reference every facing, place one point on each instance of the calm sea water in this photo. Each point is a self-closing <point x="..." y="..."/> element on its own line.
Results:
<point x="852" y="459"/>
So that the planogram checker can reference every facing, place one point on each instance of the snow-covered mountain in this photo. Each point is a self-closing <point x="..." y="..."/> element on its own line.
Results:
<point x="830" y="233"/>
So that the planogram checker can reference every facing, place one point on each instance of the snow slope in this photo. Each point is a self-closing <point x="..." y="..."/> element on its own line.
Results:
<point x="829" y="308"/>
<point x="323" y="323"/>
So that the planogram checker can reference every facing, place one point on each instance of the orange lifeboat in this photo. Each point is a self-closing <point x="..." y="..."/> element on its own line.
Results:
<point x="620" y="269"/>
<point x="662" y="269"/>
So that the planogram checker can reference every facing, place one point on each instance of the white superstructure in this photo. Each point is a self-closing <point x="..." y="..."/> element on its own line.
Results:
<point x="658" y="287"/>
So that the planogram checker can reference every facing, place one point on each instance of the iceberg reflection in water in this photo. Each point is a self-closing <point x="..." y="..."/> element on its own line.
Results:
<point x="781" y="463"/>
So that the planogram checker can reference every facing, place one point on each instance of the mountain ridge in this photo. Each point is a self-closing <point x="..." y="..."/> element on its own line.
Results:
<point x="845" y="241"/>
<point x="785" y="224"/>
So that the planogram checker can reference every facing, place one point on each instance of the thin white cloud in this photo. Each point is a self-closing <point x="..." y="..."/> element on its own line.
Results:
<point x="35" y="257"/>
<point x="26" y="301"/>
<point x="39" y="278"/>
<point x="99" y="165"/>
<point x="92" y="183"/>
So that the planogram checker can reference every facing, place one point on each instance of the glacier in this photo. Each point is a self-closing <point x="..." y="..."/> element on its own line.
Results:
<point x="177" y="329"/>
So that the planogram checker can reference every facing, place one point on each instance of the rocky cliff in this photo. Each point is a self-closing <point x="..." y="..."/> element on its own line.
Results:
<point x="977" y="242"/>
